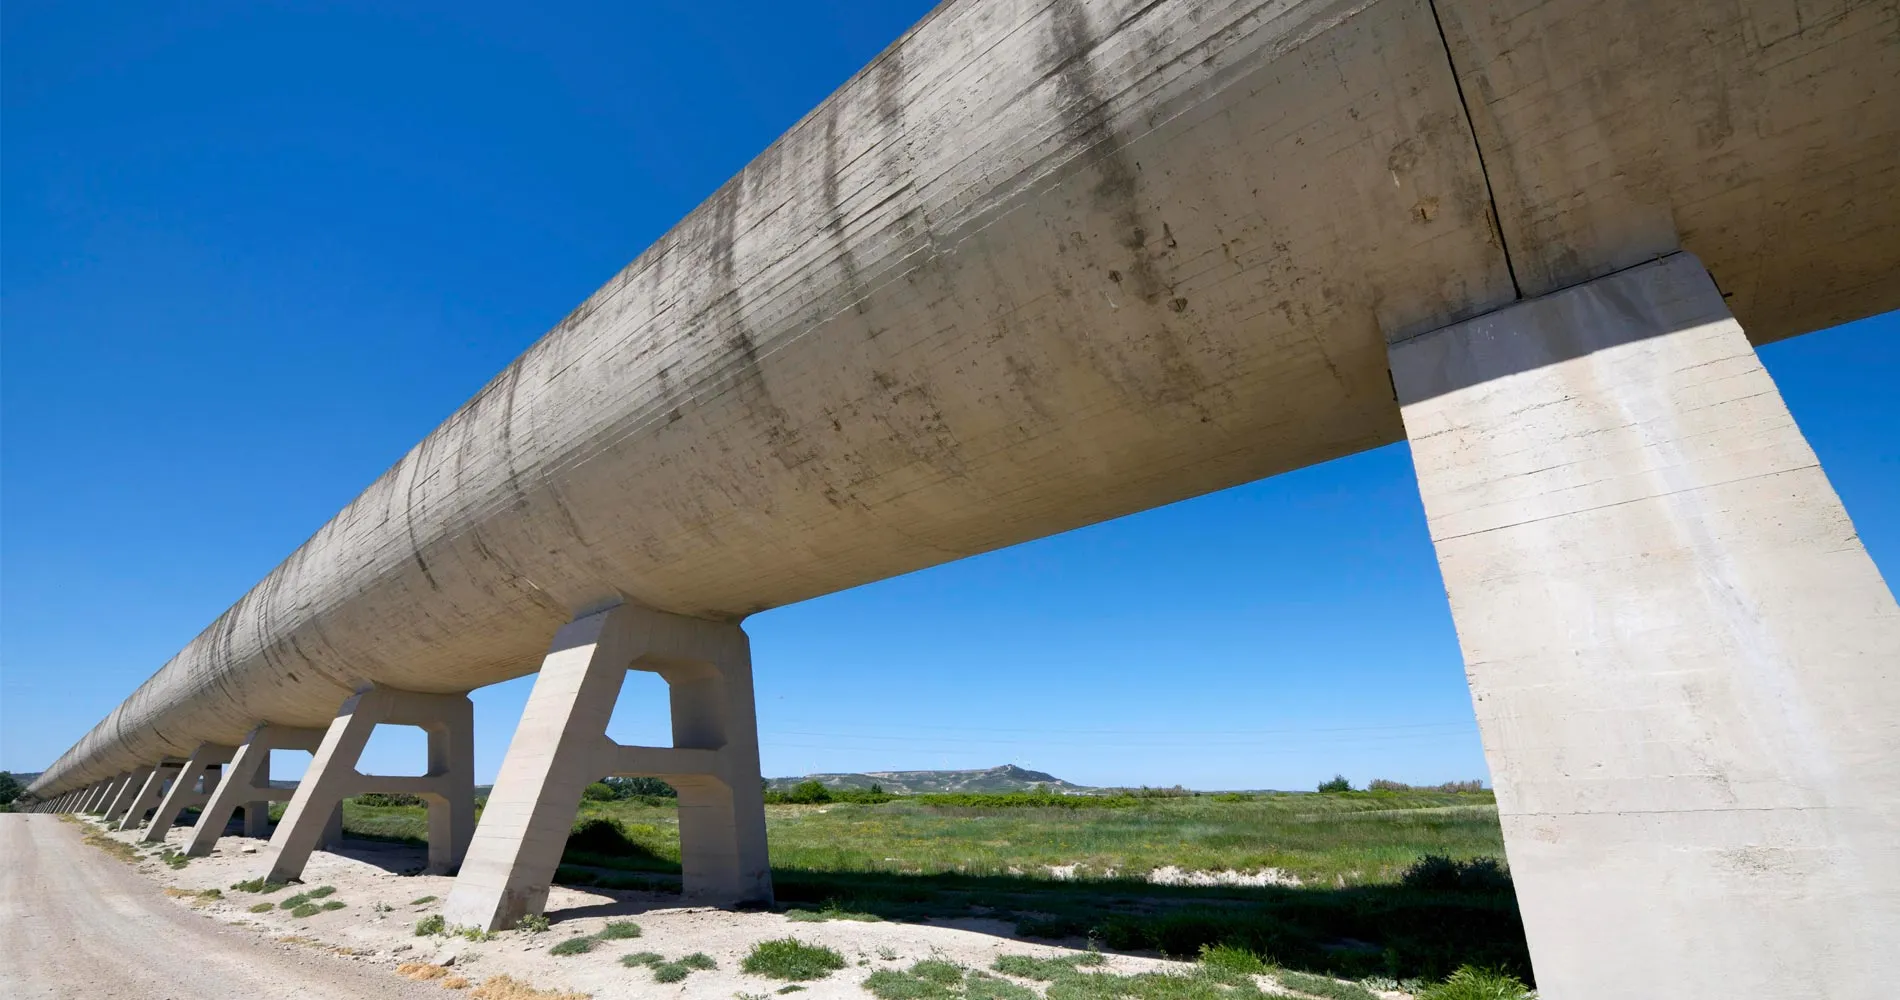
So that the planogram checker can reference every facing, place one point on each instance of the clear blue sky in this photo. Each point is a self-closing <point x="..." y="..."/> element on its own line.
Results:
<point x="252" y="253"/>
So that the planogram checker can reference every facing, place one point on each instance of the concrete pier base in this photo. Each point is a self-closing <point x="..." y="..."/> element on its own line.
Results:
<point x="246" y="785"/>
<point x="561" y="746"/>
<point x="95" y="797"/>
<point x="127" y="792"/>
<point x="192" y="787"/>
<point x="149" y="793"/>
<point x="448" y="787"/>
<point x="1685" y="666"/>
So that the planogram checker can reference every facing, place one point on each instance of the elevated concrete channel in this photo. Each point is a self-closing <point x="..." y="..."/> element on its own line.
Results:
<point x="1042" y="264"/>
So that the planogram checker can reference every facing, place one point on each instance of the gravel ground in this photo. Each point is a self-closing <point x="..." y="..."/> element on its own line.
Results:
<point x="77" y="923"/>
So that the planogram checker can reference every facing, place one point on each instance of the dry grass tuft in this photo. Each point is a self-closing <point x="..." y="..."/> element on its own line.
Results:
<point x="421" y="972"/>
<point x="455" y="983"/>
<point x="510" y="988"/>
<point x="118" y="849"/>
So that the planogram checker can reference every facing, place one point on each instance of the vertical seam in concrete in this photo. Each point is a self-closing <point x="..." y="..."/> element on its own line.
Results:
<point x="1458" y="84"/>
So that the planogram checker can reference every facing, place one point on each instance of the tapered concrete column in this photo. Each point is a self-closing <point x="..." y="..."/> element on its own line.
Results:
<point x="128" y="790"/>
<point x="109" y="791"/>
<point x="1685" y="666"/>
<point x="192" y="787"/>
<point x="561" y="746"/>
<point x="246" y="784"/>
<point x="93" y="795"/>
<point x="149" y="794"/>
<point x="448" y="788"/>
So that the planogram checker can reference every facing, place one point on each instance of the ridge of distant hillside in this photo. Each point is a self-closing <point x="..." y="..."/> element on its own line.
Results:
<point x="1007" y="778"/>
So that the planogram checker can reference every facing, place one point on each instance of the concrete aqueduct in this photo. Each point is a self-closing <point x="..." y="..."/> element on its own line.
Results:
<point x="1044" y="263"/>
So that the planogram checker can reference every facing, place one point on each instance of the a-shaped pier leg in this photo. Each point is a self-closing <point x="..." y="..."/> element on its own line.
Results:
<point x="192" y="787"/>
<point x="561" y="746"/>
<point x="149" y="793"/>
<point x="1686" y="667"/>
<point x="128" y="790"/>
<point x="448" y="788"/>
<point x="246" y="785"/>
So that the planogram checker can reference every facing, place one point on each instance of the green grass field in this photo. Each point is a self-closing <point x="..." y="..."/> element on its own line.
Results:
<point x="925" y="857"/>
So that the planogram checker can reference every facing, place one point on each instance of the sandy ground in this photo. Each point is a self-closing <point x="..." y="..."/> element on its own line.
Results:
<point x="76" y="923"/>
<point x="80" y="921"/>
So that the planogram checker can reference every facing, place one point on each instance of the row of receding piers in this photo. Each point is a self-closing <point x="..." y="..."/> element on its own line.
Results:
<point x="504" y="863"/>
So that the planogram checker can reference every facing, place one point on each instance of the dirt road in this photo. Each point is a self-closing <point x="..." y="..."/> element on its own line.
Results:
<point x="76" y="923"/>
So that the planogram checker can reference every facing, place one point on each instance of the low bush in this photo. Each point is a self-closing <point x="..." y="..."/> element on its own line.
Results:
<point x="1321" y="986"/>
<point x="430" y="925"/>
<point x="534" y="923"/>
<point x="1437" y="872"/>
<point x="619" y="930"/>
<point x="1477" y="984"/>
<point x="258" y="885"/>
<point x="573" y="946"/>
<point x="387" y="799"/>
<point x="790" y="958"/>
<point x="1338" y="784"/>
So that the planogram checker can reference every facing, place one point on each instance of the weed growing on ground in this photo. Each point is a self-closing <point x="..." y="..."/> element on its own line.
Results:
<point x="306" y="910"/>
<point x="832" y="910"/>
<point x="264" y="907"/>
<point x="510" y="988"/>
<point x="789" y="988"/>
<point x="534" y="923"/>
<point x="678" y="969"/>
<point x="118" y="849"/>
<point x="421" y="972"/>
<point x="888" y="954"/>
<point x="381" y="907"/>
<point x="308" y="896"/>
<point x="431" y="925"/>
<point x="790" y="958"/>
<point x="472" y="933"/>
<point x="1477" y="984"/>
<point x="573" y="946"/>
<point x="619" y="930"/>
<point x="334" y="904"/>
<point x="1235" y="961"/>
<point x="640" y="958"/>
<point x="1321" y="986"/>
<point x="1074" y="978"/>
<point x="196" y="895"/>
<point x="424" y="900"/>
<point x="455" y="983"/>
<point x="1046" y="969"/>
<point x="172" y="858"/>
<point x="258" y="885"/>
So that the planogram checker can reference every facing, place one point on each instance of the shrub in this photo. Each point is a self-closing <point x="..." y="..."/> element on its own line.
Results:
<point x="431" y="924"/>
<point x="599" y="791"/>
<point x="790" y="958"/>
<point x="1440" y="873"/>
<point x="601" y="835"/>
<point x="640" y="958"/>
<point x="263" y="908"/>
<point x="630" y="788"/>
<point x="1338" y="784"/>
<point x="422" y="900"/>
<point x="389" y="799"/>
<point x="1232" y="960"/>
<point x="573" y="946"/>
<point x="619" y="930"/>
<point x="534" y="923"/>
<point x="808" y="793"/>
<point x="678" y="969"/>
<point x="258" y="885"/>
<point x="305" y="910"/>
<point x="1477" y="984"/>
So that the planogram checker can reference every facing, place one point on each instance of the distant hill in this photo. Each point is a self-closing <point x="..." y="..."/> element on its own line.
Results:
<point x="1008" y="778"/>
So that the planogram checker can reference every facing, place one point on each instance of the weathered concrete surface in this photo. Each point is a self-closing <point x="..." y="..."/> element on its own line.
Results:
<point x="562" y="745"/>
<point x="1686" y="668"/>
<point x="447" y="787"/>
<point x="1044" y="264"/>
<point x="246" y="785"/>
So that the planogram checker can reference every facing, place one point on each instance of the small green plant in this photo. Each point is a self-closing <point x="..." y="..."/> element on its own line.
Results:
<point x="431" y="925"/>
<point x="334" y="904"/>
<point x="573" y="946"/>
<point x="293" y="902"/>
<point x="306" y="910"/>
<point x="887" y="953"/>
<point x="172" y="859"/>
<point x="832" y="910"/>
<point x="534" y="923"/>
<point x="259" y="885"/>
<point x="789" y="988"/>
<point x="472" y="933"/>
<point x="265" y="907"/>
<point x="1227" y="959"/>
<point x="1477" y="984"/>
<point x="936" y="979"/>
<point x="790" y="958"/>
<point x="321" y="891"/>
<point x="640" y="958"/>
<point x="381" y="907"/>
<point x="1437" y="872"/>
<point x="1045" y="969"/>
<point x="1321" y="986"/>
<point x="619" y="930"/>
<point x="1338" y="784"/>
<point x="422" y="901"/>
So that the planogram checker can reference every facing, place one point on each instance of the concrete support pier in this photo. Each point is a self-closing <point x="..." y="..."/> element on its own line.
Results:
<point x="149" y="793"/>
<point x="246" y="785"/>
<point x="128" y="790"/>
<point x="1685" y="666"/>
<point x="192" y="787"/>
<point x="561" y="746"/>
<point x="448" y="787"/>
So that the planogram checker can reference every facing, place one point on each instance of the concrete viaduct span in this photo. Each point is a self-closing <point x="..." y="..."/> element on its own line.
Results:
<point x="1044" y="263"/>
